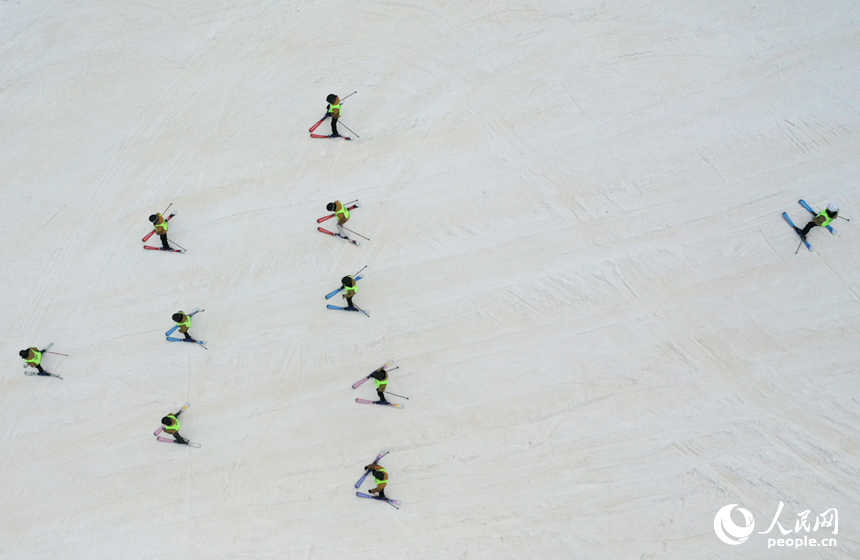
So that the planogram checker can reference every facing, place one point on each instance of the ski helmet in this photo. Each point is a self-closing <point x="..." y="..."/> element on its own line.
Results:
<point x="167" y="421"/>
<point x="347" y="281"/>
<point x="177" y="317"/>
<point x="24" y="353"/>
<point x="331" y="97"/>
<point x="153" y="218"/>
<point x="378" y="475"/>
<point x="832" y="208"/>
<point x="330" y="206"/>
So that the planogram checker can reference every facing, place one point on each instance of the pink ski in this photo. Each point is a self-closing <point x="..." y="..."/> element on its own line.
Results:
<point x="365" y="401"/>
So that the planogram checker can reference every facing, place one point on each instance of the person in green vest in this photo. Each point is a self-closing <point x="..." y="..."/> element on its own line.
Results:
<point x="171" y="426"/>
<point x="33" y="357"/>
<point x="341" y="212"/>
<point x="822" y="219"/>
<point x="183" y="321"/>
<point x="349" y="291"/>
<point x="381" y="477"/>
<point x="380" y="378"/>
<point x="160" y="225"/>
<point x="333" y="111"/>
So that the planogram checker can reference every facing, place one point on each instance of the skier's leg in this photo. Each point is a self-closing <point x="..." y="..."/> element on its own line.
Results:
<point x="806" y="229"/>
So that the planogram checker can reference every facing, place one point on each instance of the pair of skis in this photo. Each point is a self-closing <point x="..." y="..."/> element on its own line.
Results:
<point x="319" y="122"/>
<point x="358" y="383"/>
<point x="47" y="373"/>
<point x="797" y="230"/>
<point x="151" y="233"/>
<point x="335" y="292"/>
<point x="324" y="218"/>
<point x="393" y="503"/>
<point x="174" y="339"/>
<point x="168" y="440"/>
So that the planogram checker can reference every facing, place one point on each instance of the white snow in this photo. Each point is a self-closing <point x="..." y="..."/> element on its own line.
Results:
<point x="576" y="258"/>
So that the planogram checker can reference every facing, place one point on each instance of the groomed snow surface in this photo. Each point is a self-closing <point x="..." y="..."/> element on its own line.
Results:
<point x="577" y="258"/>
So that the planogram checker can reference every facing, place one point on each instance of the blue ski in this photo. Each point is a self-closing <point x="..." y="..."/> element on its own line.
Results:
<point x="366" y="472"/>
<point x="200" y="342"/>
<point x="393" y="503"/>
<point x="330" y="306"/>
<point x="334" y="293"/>
<point x="805" y="242"/>
<point x="811" y="211"/>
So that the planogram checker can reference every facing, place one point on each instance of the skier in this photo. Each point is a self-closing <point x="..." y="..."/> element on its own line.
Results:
<point x="333" y="111"/>
<point x="380" y="378"/>
<point x="349" y="291"/>
<point x="171" y="426"/>
<point x="160" y="225"/>
<point x="381" y="476"/>
<point x="822" y="219"/>
<point x="183" y="321"/>
<point x="341" y="213"/>
<point x="33" y="357"/>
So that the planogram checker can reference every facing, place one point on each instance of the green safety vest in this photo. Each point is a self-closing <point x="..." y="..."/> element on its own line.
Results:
<point x="827" y="219"/>
<point x="162" y="225"/>
<point x="186" y="322"/>
<point x="174" y="427"/>
<point x="343" y="213"/>
<point x="37" y="358"/>
<point x="380" y="383"/>
<point x="383" y="471"/>
<point x="350" y="290"/>
<point x="331" y="108"/>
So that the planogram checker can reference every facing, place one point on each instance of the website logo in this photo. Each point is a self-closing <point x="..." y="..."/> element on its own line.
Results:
<point x="805" y="532"/>
<point x="728" y="531"/>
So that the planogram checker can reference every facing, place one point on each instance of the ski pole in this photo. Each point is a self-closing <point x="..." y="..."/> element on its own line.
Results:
<point x="846" y="219"/>
<point x="177" y="244"/>
<point x="396" y="395"/>
<point x="166" y="209"/>
<point x="57" y="353"/>
<point x="351" y="94"/>
<point x="798" y="246"/>
<point x="359" y="272"/>
<point x="355" y="232"/>
<point x="351" y="130"/>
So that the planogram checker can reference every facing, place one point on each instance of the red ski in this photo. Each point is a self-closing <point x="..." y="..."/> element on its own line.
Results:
<point x="324" y="136"/>
<point x="149" y="247"/>
<point x="319" y="122"/>
<point x="148" y="235"/>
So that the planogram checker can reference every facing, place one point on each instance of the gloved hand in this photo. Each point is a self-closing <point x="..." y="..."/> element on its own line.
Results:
<point x="328" y="114"/>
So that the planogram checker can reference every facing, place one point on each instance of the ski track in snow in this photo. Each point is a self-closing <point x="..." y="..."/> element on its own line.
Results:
<point x="576" y="258"/>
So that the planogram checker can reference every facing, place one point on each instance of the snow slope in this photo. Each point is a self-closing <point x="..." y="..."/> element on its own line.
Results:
<point x="576" y="258"/>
